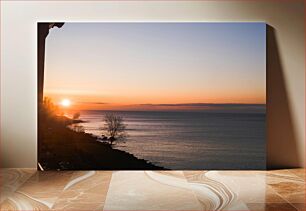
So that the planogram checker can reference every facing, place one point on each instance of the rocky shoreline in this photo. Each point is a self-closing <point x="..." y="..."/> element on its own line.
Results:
<point x="62" y="148"/>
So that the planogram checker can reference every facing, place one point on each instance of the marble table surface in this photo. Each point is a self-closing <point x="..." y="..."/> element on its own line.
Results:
<point x="29" y="189"/>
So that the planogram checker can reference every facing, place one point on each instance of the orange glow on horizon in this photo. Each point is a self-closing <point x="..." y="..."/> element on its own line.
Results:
<point x="141" y="103"/>
<point x="108" y="66"/>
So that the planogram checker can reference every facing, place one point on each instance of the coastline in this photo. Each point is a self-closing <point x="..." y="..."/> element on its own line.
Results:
<point x="189" y="140"/>
<point x="65" y="149"/>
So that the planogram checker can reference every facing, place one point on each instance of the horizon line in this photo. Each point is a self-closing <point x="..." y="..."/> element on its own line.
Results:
<point x="171" y="104"/>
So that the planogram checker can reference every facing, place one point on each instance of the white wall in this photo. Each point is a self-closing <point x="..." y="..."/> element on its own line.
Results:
<point x="18" y="63"/>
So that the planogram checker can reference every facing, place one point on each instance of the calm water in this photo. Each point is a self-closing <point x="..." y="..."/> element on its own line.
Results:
<point x="209" y="139"/>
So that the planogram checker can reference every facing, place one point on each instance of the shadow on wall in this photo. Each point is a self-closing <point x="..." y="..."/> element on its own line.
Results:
<point x="281" y="140"/>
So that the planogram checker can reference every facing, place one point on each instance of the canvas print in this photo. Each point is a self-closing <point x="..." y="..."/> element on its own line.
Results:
<point x="149" y="96"/>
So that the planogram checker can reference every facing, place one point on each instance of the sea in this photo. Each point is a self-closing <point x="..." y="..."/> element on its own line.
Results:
<point x="221" y="137"/>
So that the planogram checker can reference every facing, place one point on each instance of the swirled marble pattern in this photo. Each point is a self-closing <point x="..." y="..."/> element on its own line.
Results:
<point x="86" y="191"/>
<point x="12" y="179"/>
<point x="66" y="190"/>
<point x="28" y="189"/>
<point x="148" y="190"/>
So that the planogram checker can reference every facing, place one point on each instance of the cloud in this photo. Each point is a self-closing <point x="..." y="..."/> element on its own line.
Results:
<point x="204" y="105"/>
<point x="96" y="103"/>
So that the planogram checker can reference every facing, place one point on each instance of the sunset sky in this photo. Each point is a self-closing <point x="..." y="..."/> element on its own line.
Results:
<point x="123" y="65"/>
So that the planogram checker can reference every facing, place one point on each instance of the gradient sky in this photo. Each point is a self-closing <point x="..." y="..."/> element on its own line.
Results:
<point x="108" y="65"/>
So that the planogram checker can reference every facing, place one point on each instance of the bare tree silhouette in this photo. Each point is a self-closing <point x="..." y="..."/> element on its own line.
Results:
<point x="114" y="127"/>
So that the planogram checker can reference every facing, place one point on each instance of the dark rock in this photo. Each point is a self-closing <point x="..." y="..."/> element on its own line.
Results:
<point x="112" y="138"/>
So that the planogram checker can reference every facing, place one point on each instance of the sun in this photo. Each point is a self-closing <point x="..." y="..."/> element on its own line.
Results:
<point x="65" y="102"/>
